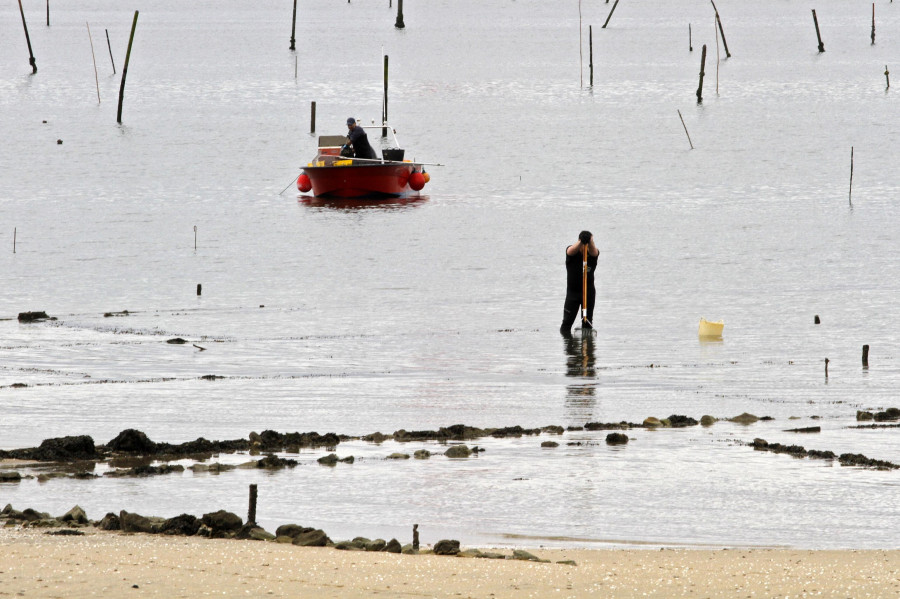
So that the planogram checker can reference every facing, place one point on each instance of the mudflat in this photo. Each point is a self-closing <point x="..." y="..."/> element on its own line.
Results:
<point x="113" y="564"/>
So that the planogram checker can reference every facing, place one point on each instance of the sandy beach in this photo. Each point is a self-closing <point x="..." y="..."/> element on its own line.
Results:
<point x="109" y="564"/>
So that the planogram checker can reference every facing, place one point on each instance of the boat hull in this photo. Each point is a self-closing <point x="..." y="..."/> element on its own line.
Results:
<point x="710" y="329"/>
<point x="358" y="181"/>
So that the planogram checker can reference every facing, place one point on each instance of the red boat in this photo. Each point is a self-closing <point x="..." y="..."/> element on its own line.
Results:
<point x="332" y="175"/>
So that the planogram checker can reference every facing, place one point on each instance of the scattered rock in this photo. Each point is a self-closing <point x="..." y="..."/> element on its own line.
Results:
<point x="458" y="451"/>
<point x="550" y="444"/>
<point x="376" y="438"/>
<point x="398" y="456"/>
<point x="329" y="460"/>
<point x="65" y="532"/>
<point x="678" y="421"/>
<point x="109" y="522"/>
<point x="652" y="422"/>
<point x="376" y="545"/>
<point x="422" y="454"/>
<point x="10" y="476"/>
<point x="446" y="547"/>
<point x="132" y="441"/>
<point x="185" y="524"/>
<point x="864" y="415"/>
<point x="605" y="426"/>
<point x="75" y="515"/>
<point x="554" y="430"/>
<point x="887" y="415"/>
<point x="314" y="538"/>
<point x="136" y="523"/>
<point x="176" y="341"/>
<point x="707" y="420"/>
<point x="616" y="439"/>
<point x="32" y="316"/>
<point x="808" y="429"/>
<point x="393" y="546"/>
<point x="567" y="562"/>
<point x="744" y="418"/>
<point x="273" y="462"/>
<point x="222" y="521"/>
<point x="521" y="554"/>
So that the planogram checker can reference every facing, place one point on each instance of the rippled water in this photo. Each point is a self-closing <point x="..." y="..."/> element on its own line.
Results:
<point x="444" y="309"/>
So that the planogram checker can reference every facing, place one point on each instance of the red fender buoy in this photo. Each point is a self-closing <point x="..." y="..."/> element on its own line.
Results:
<point x="303" y="183"/>
<point x="416" y="181"/>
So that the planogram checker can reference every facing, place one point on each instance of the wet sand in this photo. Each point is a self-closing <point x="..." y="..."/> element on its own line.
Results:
<point x="102" y="564"/>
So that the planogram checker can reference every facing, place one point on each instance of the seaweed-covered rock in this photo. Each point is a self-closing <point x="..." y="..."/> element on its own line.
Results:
<point x="393" y="546"/>
<point x="422" y="454"/>
<point x="652" y="422"/>
<point x="398" y="456"/>
<point x="9" y="476"/>
<point x="549" y="444"/>
<point x="222" y="521"/>
<point x="109" y="522"/>
<point x="273" y="462"/>
<point x="185" y="524"/>
<point x="329" y="460"/>
<point x="446" y="547"/>
<point x="59" y="449"/>
<point x="132" y="441"/>
<point x="136" y="523"/>
<point x="616" y="439"/>
<point x="32" y="316"/>
<point x="314" y="538"/>
<point x="887" y="415"/>
<point x="678" y="421"/>
<point x="745" y="418"/>
<point x="862" y="416"/>
<point x="707" y="420"/>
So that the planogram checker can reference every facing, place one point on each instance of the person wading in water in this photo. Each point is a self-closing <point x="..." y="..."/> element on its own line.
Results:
<point x="581" y="262"/>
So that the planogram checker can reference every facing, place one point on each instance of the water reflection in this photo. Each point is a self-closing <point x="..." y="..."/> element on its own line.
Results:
<point x="580" y="363"/>
<point x="355" y="204"/>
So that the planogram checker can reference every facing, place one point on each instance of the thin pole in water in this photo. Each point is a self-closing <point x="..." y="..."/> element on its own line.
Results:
<point x="722" y="31"/>
<point x="702" y="73"/>
<point x="125" y="68"/>
<point x="195" y="238"/>
<point x="615" y="4"/>
<point x="850" y="195"/>
<point x="818" y="35"/>
<point x="873" y="23"/>
<point x="31" y="60"/>
<point x="887" y="76"/>
<point x="48" y="13"/>
<point x="591" y="54"/>
<point x="399" y="24"/>
<point x="685" y="130"/>
<point x="251" y="511"/>
<point x="865" y="357"/>
<point x="690" y="39"/>
<point x="94" y="58"/>
<point x="384" y="105"/>
<point x="295" y="67"/>
<point x="14" y="240"/>
<point x="294" y="26"/>
<point x="717" y="58"/>
<point x="108" y="45"/>
<point x="312" y="117"/>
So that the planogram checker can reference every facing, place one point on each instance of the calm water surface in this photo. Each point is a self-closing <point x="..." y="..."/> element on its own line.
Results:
<point x="444" y="309"/>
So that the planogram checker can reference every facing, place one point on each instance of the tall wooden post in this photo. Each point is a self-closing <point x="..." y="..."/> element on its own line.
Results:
<point x="399" y="24"/>
<point x="873" y="23"/>
<point x="108" y="45"/>
<point x="312" y="117"/>
<point x="48" y="13"/>
<point x="31" y="60"/>
<point x="887" y="77"/>
<point x="865" y="357"/>
<point x="294" y="26"/>
<point x="702" y="73"/>
<point x="125" y="68"/>
<point x="251" y="511"/>
<point x="690" y="39"/>
<point x="818" y="35"/>
<point x="850" y="195"/>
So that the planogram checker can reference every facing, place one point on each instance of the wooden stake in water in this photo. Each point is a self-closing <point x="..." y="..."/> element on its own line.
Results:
<point x="887" y="76"/>
<point x="873" y="23"/>
<point x="850" y="195"/>
<point x="865" y="357"/>
<point x="195" y="238"/>
<point x="818" y="35"/>
<point x="48" y="13"/>
<point x="125" y="68"/>
<point x="251" y="511"/>
<point x="702" y="73"/>
<point x="295" y="67"/>
<point x="615" y="4"/>
<point x="312" y="117"/>
<point x="14" y="240"/>
<point x="108" y="45"/>
<point x="685" y="130"/>
<point x="294" y="26"/>
<point x="826" y="368"/>
<point x="31" y="60"/>
<point x="591" y="54"/>
<point x="399" y="24"/>
<point x="94" y="58"/>
<point x="722" y="31"/>
<point x="690" y="39"/>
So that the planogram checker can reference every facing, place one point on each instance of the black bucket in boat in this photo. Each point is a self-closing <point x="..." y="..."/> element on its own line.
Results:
<point x="395" y="154"/>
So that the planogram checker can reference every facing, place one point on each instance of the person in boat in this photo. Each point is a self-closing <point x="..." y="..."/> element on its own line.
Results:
<point x="359" y="140"/>
<point x="575" y="281"/>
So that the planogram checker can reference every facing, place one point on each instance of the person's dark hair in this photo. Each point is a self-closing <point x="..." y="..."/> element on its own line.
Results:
<point x="585" y="237"/>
